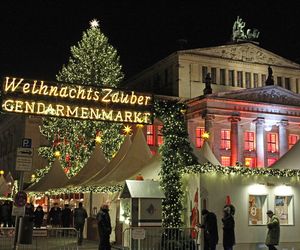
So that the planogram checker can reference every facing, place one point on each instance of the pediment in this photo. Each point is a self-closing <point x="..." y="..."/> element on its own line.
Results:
<point x="267" y="94"/>
<point x="245" y="52"/>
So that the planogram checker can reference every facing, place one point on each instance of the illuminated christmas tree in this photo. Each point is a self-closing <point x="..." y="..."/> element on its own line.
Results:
<point x="92" y="62"/>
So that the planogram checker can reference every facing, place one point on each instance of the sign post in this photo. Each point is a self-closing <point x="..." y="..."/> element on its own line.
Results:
<point x="23" y="163"/>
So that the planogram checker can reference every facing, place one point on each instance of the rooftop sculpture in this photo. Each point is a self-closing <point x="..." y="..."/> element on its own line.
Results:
<point x="238" y="33"/>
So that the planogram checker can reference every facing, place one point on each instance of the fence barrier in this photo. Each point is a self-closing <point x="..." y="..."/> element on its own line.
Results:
<point x="158" y="238"/>
<point x="42" y="239"/>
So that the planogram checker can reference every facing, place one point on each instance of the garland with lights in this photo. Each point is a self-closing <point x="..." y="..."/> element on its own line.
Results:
<point x="176" y="153"/>
<point x="239" y="170"/>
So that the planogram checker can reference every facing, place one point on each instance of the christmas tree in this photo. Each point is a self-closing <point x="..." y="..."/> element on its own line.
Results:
<point x="92" y="62"/>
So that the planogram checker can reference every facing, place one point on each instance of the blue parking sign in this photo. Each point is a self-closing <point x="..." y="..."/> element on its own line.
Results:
<point x="26" y="143"/>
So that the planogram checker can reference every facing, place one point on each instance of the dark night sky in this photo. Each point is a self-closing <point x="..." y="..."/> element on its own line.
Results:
<point x="36" y="35"/>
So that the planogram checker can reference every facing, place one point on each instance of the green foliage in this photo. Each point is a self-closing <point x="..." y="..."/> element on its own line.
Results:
<point x="92" y="62"/>
<point x="176" y="154"/>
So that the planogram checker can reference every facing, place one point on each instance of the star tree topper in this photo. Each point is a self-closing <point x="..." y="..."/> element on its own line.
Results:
<point x="94" y="23"/>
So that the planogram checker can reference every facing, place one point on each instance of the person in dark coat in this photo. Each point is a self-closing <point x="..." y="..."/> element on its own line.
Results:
<point x="6" y="210"/>
<point x="38" y="216"/>
<point x="210" y="227"/>
<point x="80" y="215"/>
<point x="66" y="216"/>
<point x="273" y="231"/>
<point x="104" y="227"/>
<point x="228" y="229"/>
<point x="55" y="216"/>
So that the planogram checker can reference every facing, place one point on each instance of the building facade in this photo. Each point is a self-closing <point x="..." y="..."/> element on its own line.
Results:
<point x="249" y="123"/>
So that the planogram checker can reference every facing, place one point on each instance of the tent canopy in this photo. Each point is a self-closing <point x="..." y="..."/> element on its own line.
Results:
<point x="137" y="156"/>
<point x="112" y="164"/>
<point x="290" y="160"/>
<point x="96" y="163"/>
<point x="4" y="187"/>
<point x="205" y="154"/>
<point x="142" y="189"/>
<point x="55" y="178"/>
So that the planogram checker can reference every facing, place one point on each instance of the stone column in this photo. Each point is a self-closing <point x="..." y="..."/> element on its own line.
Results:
<point x="260" y="142"/>
<point x="234" y="139"/>
<point x="208" y="125"/>
<point x="283" y="138"/>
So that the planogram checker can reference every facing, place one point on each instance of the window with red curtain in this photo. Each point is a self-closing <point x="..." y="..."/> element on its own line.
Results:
<point x="293" y="140"/>
<point x="272" y="142"/>
<point x="271" y="161"/>
<point x="249" y="141"/>
<point x="150" y="135"/>
<point x="225" y="161"/>
<point x="250" y="162"/>
<point x="160" y="138"/>
<point x="199" y="139"/>
<point x="225" y="139"/>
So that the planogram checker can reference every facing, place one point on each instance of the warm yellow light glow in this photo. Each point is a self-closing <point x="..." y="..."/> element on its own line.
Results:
<point x="283" y="190"/>
<point x="183" y="111"/>
<point x="127" y="130"/>
<point x="205" y="135"/>
<point x="1" y="172"/>
<point x="247" y="163"/>
<point x="257" y="189"/>
<point x="98" y="139"/>
<point x="139" y="125"/>
<point x="57" y="154"/>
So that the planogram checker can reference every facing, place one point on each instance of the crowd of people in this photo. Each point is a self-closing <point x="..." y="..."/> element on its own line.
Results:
<point x="210" y="228"/>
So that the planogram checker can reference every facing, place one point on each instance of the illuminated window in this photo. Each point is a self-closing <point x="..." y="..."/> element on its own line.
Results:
<point x="250" y="162"/>
<point x="249" y="141"/>
<point x="199" y="139"/>
<point x="225" y="161"/>
<point x="272" y="142"/>
<point x="150" y="135"/>
<point x="225" y="139"/>
<point x="293" y="140"/>
<point x="271" y="161"/>
<point x="160" y="138"/>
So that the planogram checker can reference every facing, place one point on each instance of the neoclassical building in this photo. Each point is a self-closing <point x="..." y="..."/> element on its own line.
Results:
<point x="248" y="122"/>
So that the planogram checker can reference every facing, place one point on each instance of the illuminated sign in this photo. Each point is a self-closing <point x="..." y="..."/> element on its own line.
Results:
<point x="39" y="97"/>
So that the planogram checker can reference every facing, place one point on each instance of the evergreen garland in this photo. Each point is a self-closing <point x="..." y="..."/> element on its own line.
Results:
<point x="176" y="153"/>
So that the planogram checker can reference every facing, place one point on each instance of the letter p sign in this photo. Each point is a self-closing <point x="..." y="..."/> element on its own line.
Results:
<point x="26" y="143"/>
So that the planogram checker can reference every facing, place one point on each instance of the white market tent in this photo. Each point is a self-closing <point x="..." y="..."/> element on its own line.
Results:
<point x="290" y="160"/>
<point x="95" y="164"/>
<point x="137" y="156"/>
<point x="205" y="154"/>
<point x="112" y="164"/>
<point x="55" y="178"/>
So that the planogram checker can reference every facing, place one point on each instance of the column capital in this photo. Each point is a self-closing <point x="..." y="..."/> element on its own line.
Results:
<point x="234" y="118"/>
<point x="283" y="123"/>
<point x="259" y="121"/>
<point x="207" y="116"/>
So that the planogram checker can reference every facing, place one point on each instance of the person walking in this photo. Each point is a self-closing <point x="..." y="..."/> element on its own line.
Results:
<point x="228" y="229"/>
<point x="104" y="227"/>
<point x="38" y="216"/>
<point x="273" y="234"/>
<point x="210" y="228"/>
<point x="80" y="215"/>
